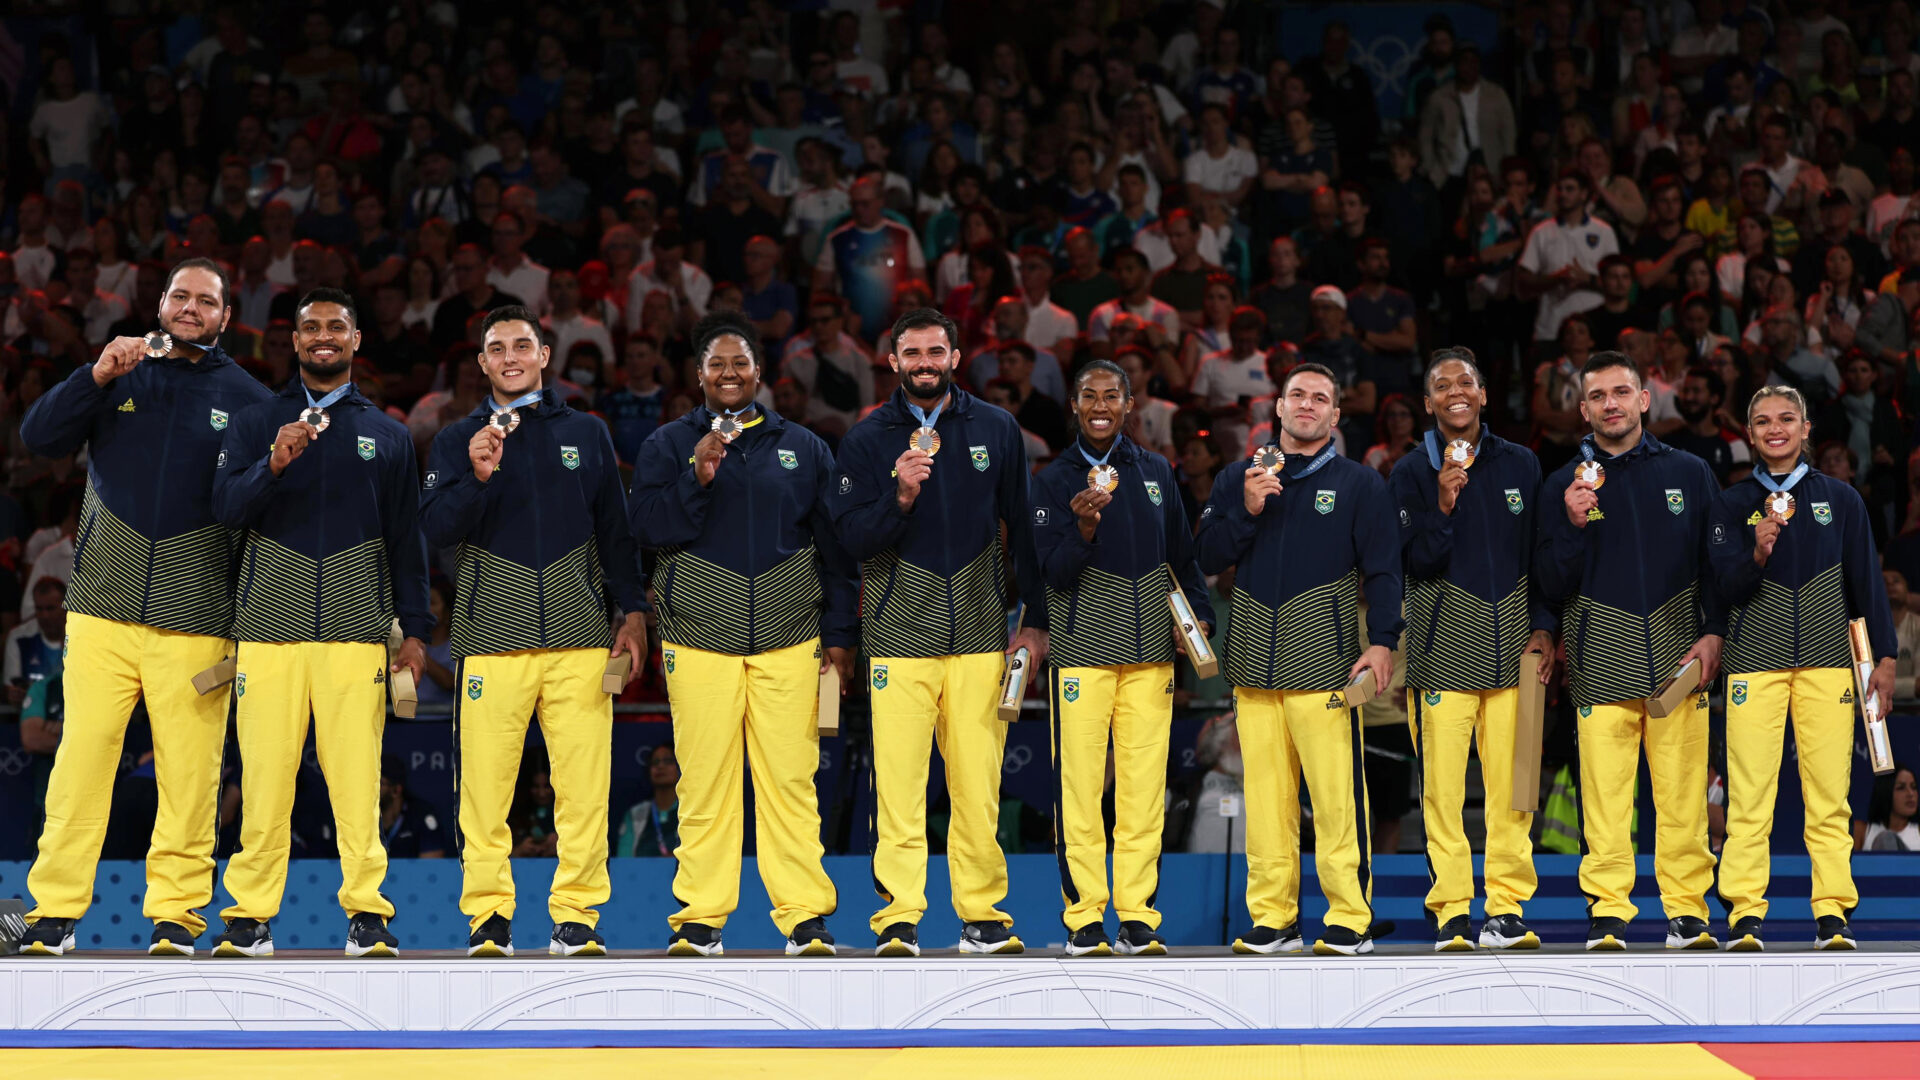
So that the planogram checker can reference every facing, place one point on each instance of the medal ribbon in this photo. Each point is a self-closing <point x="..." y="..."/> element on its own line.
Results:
<point x="1325" y="455"/>
<point x="1766" y="480"/>
<point x="1433" y="447"/>
<point x="927" y="419"/>
<point x="736" y="414"/>
<point x="1088" y="454"/>
<point x="524" y="399"/>
<point x="333" y="395"/>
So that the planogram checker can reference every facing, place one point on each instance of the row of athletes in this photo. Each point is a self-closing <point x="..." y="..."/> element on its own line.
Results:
<point x="217" y="510"/>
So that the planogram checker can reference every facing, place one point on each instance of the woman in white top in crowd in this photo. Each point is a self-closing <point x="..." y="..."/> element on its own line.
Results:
<point x="1893" y="815"/>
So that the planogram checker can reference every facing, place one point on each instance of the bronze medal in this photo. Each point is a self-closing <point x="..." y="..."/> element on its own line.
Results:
<point x="727" y="427"/>
<point x="1780" y="504"/>
<point x="1269" y="458"/>
<point x="1104" y="477"/>
<point x="1592" y="472"/>
<point x="315" y="417"/>
<point x="157" y="344"/>
<point x="926" y="440"/>
<point x="505" y="419"/>
<point x="1460" y="452"/>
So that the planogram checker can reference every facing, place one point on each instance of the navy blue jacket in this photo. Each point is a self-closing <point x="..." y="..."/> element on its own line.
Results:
<point x="1302" y="564"/>
<point x="1823" y="573"/>
<point x="333" y="548"/>
<point x="1107" y="599"/>
<point x="149" y="549"/>
<point x="545" y="548"/>
<point x="1633" y="584"/>
<point x="934" y="579"/>
<point x="1471" y="601"/>
<point x="751" y="563"/>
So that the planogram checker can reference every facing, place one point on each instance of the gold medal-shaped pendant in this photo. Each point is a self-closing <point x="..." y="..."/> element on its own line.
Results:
<point x="316" y="418"/>
<point x="1104" y="477"/>
<point x="505" y="419"/>
<point x="727" y="427"/>
<point x="926" y="440"/>
<point x="1269" y="458"/>
<point x="157" y="344"/>
<point x="1780" y="505"/>
<point x="1460" y="452"/>
<point x="1592" y="472"/>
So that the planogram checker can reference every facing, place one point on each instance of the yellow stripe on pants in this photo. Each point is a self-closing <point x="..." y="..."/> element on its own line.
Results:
<point x="1135" y="703"/>
<point x="1446" y="724"/>
<point x="110" y="666"/>
<point x="1821" y="702"/>
<point x="498" y="693"/>
<point x="769" y="706"/>
<point x="1610" y="740"/>
<point x="342" y="686"/>
<point x="951" y="702"/>
<point x="1283" y="735"/>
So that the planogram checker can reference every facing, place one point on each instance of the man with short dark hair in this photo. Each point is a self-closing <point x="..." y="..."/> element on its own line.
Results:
<point x="1183" y="284"/>
<point x="1561" y="258"/>
<point x="1617" y="311"/>
<point x="1699" y="397"/>
<point x="331" y="510"/>
<point x="573" y="561"/>
<point x="151" y="603"/>
<point x="474" y="294"/>
<point x="1382" y="318"/>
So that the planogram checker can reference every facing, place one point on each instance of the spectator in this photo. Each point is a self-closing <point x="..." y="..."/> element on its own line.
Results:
<point x="36" y="647"/>
<point x="510" y="270"/>
<point x="1562" y="256"/>
<point x="1893" y="813"/>
<point x="1382" y="318"/>
<point x="1219" y="165"/>
<point x="1037" y="412"/>
<point x="1213" y="829"/>
<point x="1085" y="285"/>
<point x="833" y="365"/>
<point x="728" y="222"/>
<point x="867" y="257"/>
<point x="1130" y="274"/>
<point x="1557" y="423"/>
<point x="1344" y="92"/>
<point x="1465" y="122"/>
<point x="473" y="295"/>
<point x="651" y="827"/>
<point x="1296" y="166"/>
<point x="1659" y="248"/>
<point x="1119" y="228"/>
<point x="1867" y="421"/>
<point x="1283" y="298"/>
<point x="1332" y="343"/>
<point x="410" y="827"/>
<point x="68" y="125"/>
<point x="1617" y="311"/>
<point x="99" y="310"/>
<point x="567" y="325"/>
<point x="634" y="408"/>
<point x="685" y="287"/>
<point x="1010" y="326"/>
<point x="43" y="716"/>
<point x="1183" y="283"/>
<point x="1235" y="374"/>
<point x="1701" y="395"/>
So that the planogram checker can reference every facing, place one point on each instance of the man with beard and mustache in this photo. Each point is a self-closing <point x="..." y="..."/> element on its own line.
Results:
<point x="151" y="603"/>
<point x="1701" y="394"/>
<point x="924" y="484"/>
<point x="1309" y="534"/>
<point x="324" y="483"/>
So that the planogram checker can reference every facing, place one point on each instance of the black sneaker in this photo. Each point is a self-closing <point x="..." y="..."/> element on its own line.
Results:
<point x="811" y="938"/>
<point x="576" y="939"/>
<point x="367" y="935"/>
<point x="1747" y="935"/>
<point x="1507" y="932"/>
<point x="1606" y="934"/>
<point x="1138" y="939"/>
<point x="242" y="937"/>
<point x="172" y="939"/>
<point x="1266" y="941"/>
<point x="1090" y="940"/>
<point x="695" y="939"/>
<point x="898" y="939"/>
<point x="1340" y="941"/>
<point x="1687" y="932"/>
<point x="494" y="938"/>
<point x="1455" y="935"/>
<point x="48" y="937"/>
<point x="1830" y="932"/>
<point x="988" y="938"/>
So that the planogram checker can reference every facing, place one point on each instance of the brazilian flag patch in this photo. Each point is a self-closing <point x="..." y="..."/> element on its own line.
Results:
<point x="1514" y="502"/>
<point x="474" y="683"/>
<point x="240" y="685"/>
<point x="1676" y="501"/>
<point x="570" y="456"/>
<point x="1323" y="501"/>
<point x="666" y="657"/>
<point x="788" y="460"/>
<point x="218" y="419"/>
<point x="365" y="447"/>
<point x="978" y="454"/>
<point x="1823" y="513"/>
<point x="879" y="676"/>
<point x="1070" y="689"/>
<point x="1737" y="691"/>
<point x="1153" y="491"/>
<point x="1431" y="697"/>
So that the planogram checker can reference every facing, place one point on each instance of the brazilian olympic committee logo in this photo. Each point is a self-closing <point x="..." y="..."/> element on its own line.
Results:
<point x="1676" y="501"/>
<point x="978" y="454"/>
<point x="366" y="448"/>
<point x="666" y="657"/>
<point x="218" y="419"/>
<point x="1514" y="502"/>
<point x="1586" y="711"/>
<point x="1737" y="691"/>
<point x="1153" y="491"/>
<point x="1323" y="501"/>
<point x="1431" y="697"/>
<point x="879" y="676"/>
<point x="240" y="685"/>
<point x="570" y="456"/>
<point x="1823" y="513"/>
<point x="474" y="683"/>
<point x="1071" y="689"/>
<point x="788" y="460"/>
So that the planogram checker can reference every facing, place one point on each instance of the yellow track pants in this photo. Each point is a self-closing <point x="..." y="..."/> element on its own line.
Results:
<point x="767" y="706"/>
<point x="950" y="702"/>
<point x="1446" y="724"/>
<point x="110" y="666"/>
<point x="1676" y="744"/>
<point x="342" y="686"/>
<point x="498" y="693"/>
<point x="1285" y="734"/>
<point x="1134" y="704"/>
<point x="1758" y="703"/>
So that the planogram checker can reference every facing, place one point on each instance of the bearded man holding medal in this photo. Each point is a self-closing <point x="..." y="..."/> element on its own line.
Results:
<point x="922" y="488"/>
<point x="325" y="485"/>
<point x="755" y="601"/>
<point x="1113" y="543"/>
<point x="1466" y="517"/>
<point x="1624" y="552"/>
<point x="1309" y="531"/>
<point x="150" y="603"/>
<point x="529" y="491"/>
<point x="1792" y="550"/>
